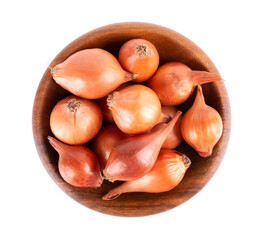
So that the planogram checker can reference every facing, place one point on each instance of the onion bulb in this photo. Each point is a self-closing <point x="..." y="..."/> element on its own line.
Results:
<point x="135" y="109"/>
<point x="174" y="82"/>
<point x="105" y="141"/>
<point x="78" y="165"/>
<point x="201" y="126"/>
<point x="167" y="172"/>
<point x="140" y="57"/>
<point x="135" y="156"/>
<point x="75" y="120"/>
<point x="90" y="73"/>
<point x="175" y="137"/>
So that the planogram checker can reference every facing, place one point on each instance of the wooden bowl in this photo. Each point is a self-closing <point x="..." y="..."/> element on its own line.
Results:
<point x="171" y="46"/>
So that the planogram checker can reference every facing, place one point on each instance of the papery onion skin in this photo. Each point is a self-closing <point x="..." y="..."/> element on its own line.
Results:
<point x="139" y="56"/>
<point x="167" y="172"/>
<point x="105" y="141"/>
<point x="75" y="120"/>
<point x="102" y="102"/>
<point x="135" y="109"/>
<point x="201" y="126"/>
<point x="136" y="155"/>
<point x="78" y="165"/>
<point x="174" y="138"/>
<point x="90" y="73"/>
<point x="174" y="82"/>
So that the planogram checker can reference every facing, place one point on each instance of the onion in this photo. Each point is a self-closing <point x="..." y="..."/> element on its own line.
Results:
<point x="106" y="140"/>
<point x="174" y="138"/>
<point x="135" y="109"/>
<point x="135" y="156"/>
<point x="166" y="174"/>
<point x="75" y="120"/>
<point x="140" y="57"/>
<point x="174" y="82"/>
<point x="90" y="73"/>
<point x="102" y="102"/>
<point x="78" y="165"/>
<point x="201" y="126"/>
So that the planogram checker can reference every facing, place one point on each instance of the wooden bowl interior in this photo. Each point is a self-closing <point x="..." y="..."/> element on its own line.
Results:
<point x="171" y="47"/>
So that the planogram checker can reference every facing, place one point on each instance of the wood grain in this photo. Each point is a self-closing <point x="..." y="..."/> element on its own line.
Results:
<point x="171" y="46"/>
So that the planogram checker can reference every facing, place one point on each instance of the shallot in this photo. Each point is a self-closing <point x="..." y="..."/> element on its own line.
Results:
<point x="174" y="82"/>
<point x="90" y="73"/>
<point x="78" y="165"/>
<point x="201" y="126"/>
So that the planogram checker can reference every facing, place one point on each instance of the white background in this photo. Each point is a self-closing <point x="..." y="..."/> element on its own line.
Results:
<point x="230" y="206"/>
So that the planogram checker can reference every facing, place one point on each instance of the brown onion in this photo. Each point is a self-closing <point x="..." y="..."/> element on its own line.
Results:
<point x="78" y="165"/>
<point x="175" y="137"/>
<point x="90" y="73"/>
<point x="167" y="172"/>
<point x="75" y="120"/>
<point x="174" y="82"/>
<point x="201" y="126"/>
<point x="135" y="156"/>
<point x="135" y="109"/>
<point x="140" y="57"/>
<point x="105" y="141"/>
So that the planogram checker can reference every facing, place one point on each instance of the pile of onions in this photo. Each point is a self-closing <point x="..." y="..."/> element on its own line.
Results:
<point x="132" y="129"/>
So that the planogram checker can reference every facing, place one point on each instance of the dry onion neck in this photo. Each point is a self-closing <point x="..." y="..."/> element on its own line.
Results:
<point x="142" y="50"/>
<point x="186" y="161"/>
<point x="73" y="104"/>
<point x="110" y="101"/>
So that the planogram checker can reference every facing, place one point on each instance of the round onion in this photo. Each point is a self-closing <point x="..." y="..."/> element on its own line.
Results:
<point x="140" y="57"/>
<point x="135" y="109"/>
<point x="75" y="120"/>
